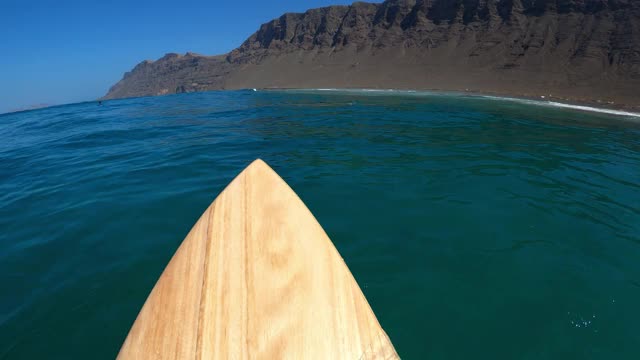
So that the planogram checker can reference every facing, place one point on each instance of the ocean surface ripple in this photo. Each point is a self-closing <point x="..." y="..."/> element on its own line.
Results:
<point x="476" y="227"/>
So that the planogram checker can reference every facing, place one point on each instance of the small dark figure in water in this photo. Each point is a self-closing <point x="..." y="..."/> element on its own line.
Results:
<point x="99" y="102"/>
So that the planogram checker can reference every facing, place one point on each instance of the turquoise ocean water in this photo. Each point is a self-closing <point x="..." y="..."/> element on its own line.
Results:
<point x="477" y="228"/>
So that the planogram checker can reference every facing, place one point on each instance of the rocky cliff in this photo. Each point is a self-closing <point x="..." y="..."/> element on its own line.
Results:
<point x="578" y="49"/>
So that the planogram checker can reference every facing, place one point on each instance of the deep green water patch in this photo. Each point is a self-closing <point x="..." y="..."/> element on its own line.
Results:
<point x="476" y="228"/>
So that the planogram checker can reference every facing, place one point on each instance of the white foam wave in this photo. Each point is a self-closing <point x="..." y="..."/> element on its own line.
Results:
<point x="594" y="109"/>
<point x="565" y="105"/>
<point x="500" y="98"/>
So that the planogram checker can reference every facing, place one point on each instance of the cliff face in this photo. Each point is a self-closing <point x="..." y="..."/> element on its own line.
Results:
<point x="173" y="73"/>
<point x="573" y="48"/>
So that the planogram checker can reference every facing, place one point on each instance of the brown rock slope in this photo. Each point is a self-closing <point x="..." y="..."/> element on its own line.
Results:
<point x="578" y="49"/>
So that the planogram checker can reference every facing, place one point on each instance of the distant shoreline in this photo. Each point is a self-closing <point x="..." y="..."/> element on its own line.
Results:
<point x="551" y="100"/>
<point x="578" y="104"/>
<point x="606" y="107"/>
<point x="28" y="108"/>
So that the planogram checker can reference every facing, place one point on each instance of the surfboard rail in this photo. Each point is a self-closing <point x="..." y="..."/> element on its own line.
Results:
<point x="257" y="277"/>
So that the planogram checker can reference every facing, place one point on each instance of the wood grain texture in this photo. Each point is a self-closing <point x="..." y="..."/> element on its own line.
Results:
<point x="257" y="278"/>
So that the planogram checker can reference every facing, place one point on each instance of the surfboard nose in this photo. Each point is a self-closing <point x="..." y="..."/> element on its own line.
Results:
<point x="256" y="277"/>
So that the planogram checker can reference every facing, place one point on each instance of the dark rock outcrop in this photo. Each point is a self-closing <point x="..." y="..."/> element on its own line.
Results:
<point x="172" y="73"/>
<point x="580" y="49"/>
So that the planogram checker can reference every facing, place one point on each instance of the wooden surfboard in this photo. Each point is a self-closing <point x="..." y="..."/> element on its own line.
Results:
<point x="257" y="278"/>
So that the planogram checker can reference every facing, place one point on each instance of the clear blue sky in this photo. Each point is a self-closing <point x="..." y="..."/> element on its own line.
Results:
<point x="59" y="51"/>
